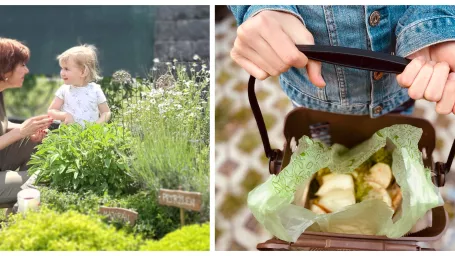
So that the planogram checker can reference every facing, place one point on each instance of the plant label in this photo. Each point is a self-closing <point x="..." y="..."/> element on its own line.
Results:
<point x="181" y="199"/>
<point x="119" y="214"/>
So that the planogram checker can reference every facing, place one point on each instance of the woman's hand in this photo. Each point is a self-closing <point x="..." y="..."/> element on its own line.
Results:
<point x="38" y="136"/>
<point x="33" y="125"/>
<point x="265" y="46"/>
<point x="430" y="76"/>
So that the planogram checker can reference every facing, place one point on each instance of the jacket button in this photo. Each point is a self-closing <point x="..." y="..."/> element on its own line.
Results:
<point x="374" y="18"/>
<point x="377" y="109"/>
<point x="378" y="75"/>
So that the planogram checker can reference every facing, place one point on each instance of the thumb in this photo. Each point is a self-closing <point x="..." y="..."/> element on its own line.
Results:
<point x="301" y="35"/>
<point x="314" y="73"/>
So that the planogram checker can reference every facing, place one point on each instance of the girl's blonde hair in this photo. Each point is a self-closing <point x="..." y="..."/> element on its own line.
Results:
<point x="85" y="57"/>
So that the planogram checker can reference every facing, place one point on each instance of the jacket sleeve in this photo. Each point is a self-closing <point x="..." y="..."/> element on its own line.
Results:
<point x="423" y="26"/>
<point x="243" y="12"/>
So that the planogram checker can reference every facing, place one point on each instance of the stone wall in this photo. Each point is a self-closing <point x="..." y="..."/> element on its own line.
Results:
<point x="181" y="32"/>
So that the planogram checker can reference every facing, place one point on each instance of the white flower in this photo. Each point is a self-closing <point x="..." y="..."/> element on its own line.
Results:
<point x="173" y="67"/>
<point x="168" y="63"/>
<point x="194" y="64"/>
<point x="174" y="60"/>
<point x="154" y="68"/>
<point x="192" y="69"/>
<point x="183" y="69"/>
<point x="196" y="57"/>
<point x="204" y="66"/>
<point x="156" y="60"/>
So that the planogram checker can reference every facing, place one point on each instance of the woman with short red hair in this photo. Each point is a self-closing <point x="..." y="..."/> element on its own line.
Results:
<point x="17" y="141"/>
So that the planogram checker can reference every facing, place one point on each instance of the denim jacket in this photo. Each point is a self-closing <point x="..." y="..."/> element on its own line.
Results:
<point x="400" y="30"/>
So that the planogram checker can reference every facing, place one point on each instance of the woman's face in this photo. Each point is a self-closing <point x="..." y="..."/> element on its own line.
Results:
<point x="16" y="77"/>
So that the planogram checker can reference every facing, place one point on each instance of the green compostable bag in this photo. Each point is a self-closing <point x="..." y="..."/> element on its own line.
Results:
<point x="272" y="202"/>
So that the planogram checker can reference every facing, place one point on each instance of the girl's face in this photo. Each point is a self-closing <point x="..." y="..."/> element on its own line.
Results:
<point x="16" y="77"/>
<point x="71" y="73"/>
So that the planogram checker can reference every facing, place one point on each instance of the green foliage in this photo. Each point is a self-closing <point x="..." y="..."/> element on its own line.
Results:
<point x="171" y="134"/>
<point x="189" y="238"/>
<point x="33" y="98"/>
<point x="87" y="202"/>
<point x="117" y="88"/>
<point x="154" y="220"/>
<point x="76" y="159"/>
<point x="48" y="230"/>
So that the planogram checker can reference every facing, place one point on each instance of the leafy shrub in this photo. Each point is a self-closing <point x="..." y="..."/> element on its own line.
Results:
<point x="154" y="221"/>
<point x="72" y="158"/>
<point x="118" y="88"/>
<point x="189" y="238"/>
<point x="87" y="202"/>
<point x="48" y="230"/>
<point x="170" y="130"/>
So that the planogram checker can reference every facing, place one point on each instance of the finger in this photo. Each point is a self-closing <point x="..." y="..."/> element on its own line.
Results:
<point x="437" y="82"/>
<point x="40" y="117"/>
<point x="34" y="138"/>
<point x="406" y="78"/>
<point x="447" y="102"/>
<point x="262" y="55"/>
<point x="314" y="73"/>
<point x="249" y="66"/>
<point x="420" y="83"/>
<point x="44" y="121"/>
<point x="292" y="56"/>
<point x="284" y="46"/>
<point x="42" y="127"/>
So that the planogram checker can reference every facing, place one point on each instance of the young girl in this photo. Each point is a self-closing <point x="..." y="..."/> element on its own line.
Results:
<point x="79" y="99"/>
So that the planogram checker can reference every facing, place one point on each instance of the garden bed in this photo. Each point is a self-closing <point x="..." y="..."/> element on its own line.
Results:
<point x="158" y="138"/>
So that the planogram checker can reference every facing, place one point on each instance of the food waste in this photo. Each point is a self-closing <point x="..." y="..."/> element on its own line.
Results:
<point x="331" y="192"/>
